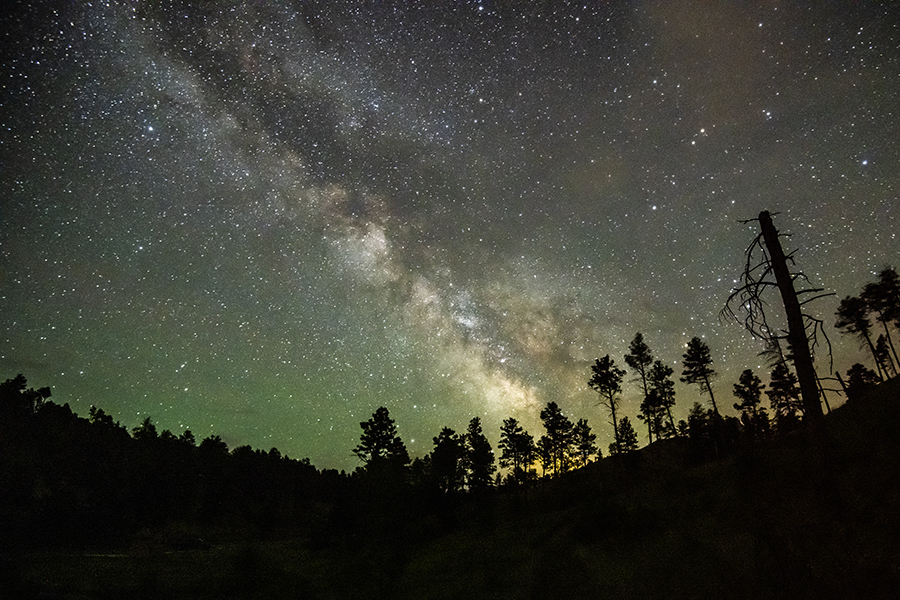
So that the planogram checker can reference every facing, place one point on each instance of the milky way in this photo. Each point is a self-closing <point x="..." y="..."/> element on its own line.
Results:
<point x="265" y="219"/>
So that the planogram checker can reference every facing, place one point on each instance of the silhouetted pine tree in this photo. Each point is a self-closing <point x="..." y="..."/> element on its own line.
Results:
<point x="652" y="412"/>
<point x="517" y="451"/>
<point x="660" y="379"/>
<point x="628" y="441"/>
<point x="860" y="379"/>
<point x="697" y="364"/>
<point x="447" y="461"/>
<point x="883" y="298"/>
<point x="558" y="438"/>
<point x="479" y="458"/>
<point x="784" y="397"/>
<point x="748" y="390"/>
<point x="584" y="443"/>
<point x="852" y="318"/>
<point x="380" y="442"/>
<point x="607" y="381"/>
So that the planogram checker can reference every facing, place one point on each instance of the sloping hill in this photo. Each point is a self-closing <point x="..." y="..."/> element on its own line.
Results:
<point x="774" y="520"/>
<point x="777" y="521"/>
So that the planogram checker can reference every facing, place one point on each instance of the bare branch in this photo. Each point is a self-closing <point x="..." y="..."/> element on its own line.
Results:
<point x="817" y="297"/>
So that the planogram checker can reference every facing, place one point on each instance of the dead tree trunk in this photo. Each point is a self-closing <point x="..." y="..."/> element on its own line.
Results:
<point x="806" y="374"/>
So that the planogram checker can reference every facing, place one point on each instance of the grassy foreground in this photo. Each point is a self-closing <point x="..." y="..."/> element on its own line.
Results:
<point x="777" y="521"/>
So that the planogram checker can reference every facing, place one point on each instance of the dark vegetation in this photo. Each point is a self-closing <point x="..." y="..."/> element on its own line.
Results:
<point x="745" y="507"/>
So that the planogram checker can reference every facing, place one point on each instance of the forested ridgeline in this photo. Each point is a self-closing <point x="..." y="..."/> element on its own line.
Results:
<point x="682" y="518"/>
<point x="70" y="481"/>
<point x="74" y="481"/>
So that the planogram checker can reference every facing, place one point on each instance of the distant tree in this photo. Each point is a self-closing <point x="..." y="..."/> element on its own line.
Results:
<point x="628" y="441"/>
<point x="748" y="390"/>
<point x="447" y="461"/>
<point x="517" y="451"/>
<point x="784" y="397"/>
<point x="584" y="442"/>
<point x="639" y="358"/>
<point x="559" y="437"/>
<point x="660" y="379"/>
<point x="479" y="458"/>
<point x="860" y="379"/>
<point x="98" y="417"/>
<point x="213" y="446"/>
<point x="607" y="381"/>
<point x="889" y="281"/>
<point x="883" y="298"/>
<point x="380" y="442"/>
<point x="710" y="434"/>
<point x="145" y="431"/>
<point x="17" y="402"/>
<point x="697" y="422"/>
<point x="852" y="318"/>
<point x="698" y="369"/>
<point x="188" y="438"/>
<point x="652" y="412"/>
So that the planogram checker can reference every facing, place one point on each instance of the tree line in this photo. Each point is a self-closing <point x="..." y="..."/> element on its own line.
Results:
<point x="878" y="300"/>
<point x="67" y="477"/>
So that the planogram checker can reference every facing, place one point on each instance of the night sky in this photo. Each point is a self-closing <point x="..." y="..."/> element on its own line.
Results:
<point x="265" y="219"/>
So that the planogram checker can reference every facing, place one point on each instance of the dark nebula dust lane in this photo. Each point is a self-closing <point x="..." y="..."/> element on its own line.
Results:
<point x="264" y="220"/>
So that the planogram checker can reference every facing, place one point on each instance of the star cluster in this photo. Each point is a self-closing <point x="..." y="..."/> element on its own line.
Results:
<point x="264" y="219"/>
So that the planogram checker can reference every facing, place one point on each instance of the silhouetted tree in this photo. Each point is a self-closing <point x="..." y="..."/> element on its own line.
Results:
<point x="660" y="379"/>
<point x="696" y="421"/>
<point x="883" y="298"/>
<point x="803" y="329"/>
<point x="213" y="446"/>
<point x="749" y="391"/>
<point x="559" y="436"/>
<point x="852" y="318"/>
<point x="517" y="450"/>
<point x="628" y="441"/>
<point x="447" y="466"/>
<point x="380" y="442"/>
<point x="17" y="402"/>
<point x="101" y="420"/>
<point x="784" y="397"/>
<point x="639" y="358"/>
<point x="146" y="431"/>
<point x="651" y="411"/>
<point x="584" y="442"/>
<point x="889" y="281"/>
<point x="697" y="364"/>
<point x="479" y="458"/>
<point x="607" y="381"/>
<point x="187" y="438"/>
<point x="860" y="379"/>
